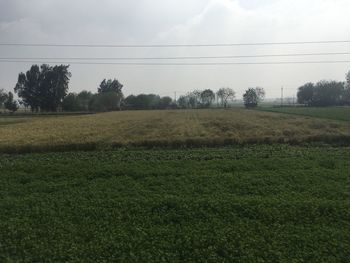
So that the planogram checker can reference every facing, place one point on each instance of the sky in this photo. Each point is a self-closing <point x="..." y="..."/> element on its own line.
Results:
<point x="147" y="22"/>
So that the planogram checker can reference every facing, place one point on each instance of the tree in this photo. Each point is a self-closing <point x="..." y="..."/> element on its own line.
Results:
<point x="53" y="86"/>
<point x="346" y="93"/>
<point x="328" y="93"/>
<point x="253" y="96"/>
<point x="43" y="88"/>
<point x="114" y="89"/>
<point x="84" y="98"/>
<point x="306" y="93"/>
<point x="183" y="102"/>
<point x="195" y="98"/>
<point x="110" y="85"/>
<point x="225" y="94"/>
<point x="165" y="102"/>
<point x="10" y="103"/>
<point x="106" y="101"/>
<point x="207" y="97"/>
<point x="28" y="87"/>
<point x="71" y="103"/>
<point x="261" y="93"/>
<point x="3" y="97"/>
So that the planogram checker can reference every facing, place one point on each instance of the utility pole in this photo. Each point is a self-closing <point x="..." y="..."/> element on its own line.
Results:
<point x="175" y="98"/>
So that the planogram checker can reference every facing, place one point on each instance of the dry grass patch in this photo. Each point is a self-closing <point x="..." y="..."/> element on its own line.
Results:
<point x="177" y="127"/>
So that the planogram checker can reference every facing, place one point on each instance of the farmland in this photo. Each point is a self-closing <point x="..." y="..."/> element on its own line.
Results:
<point x="274" y="203"/>
<point x="272" y="187"/>
<point x="174" y="128"/>
<point x="332" y="113"/>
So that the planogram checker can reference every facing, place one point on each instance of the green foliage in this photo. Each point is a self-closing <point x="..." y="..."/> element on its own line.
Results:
<point x="77" y="102"/>
<point x="147" y="101"/>
<point x="43" y="88"/>
<point x="10" y="104"/>
<point x="334" y="113"/>
<point x="3" y="97"/>
<point x="110" y="85"/>
<point x="71" y="103"/>
<point x="84" y="98"/>
<point x="306" y="93"/>
<point x="249" y="204"/>
<point x="106" y="101"/>
<point x="324" y="93"/>
<point x="207" y="97"/>
<point x="253" y="96"/>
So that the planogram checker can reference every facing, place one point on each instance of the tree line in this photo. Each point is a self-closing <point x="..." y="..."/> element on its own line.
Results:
<point x="325" y="93"/>
<point x="45" y="88"/>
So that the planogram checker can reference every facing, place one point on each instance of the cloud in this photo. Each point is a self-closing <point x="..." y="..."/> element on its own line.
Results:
<point x="181" y="21"/>
<point x="229" y="21"/>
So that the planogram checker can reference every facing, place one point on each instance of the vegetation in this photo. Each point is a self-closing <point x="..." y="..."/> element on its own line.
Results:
<point x="253" y="96"/>
<point x="325" y="93"/>
<point x="197" y="99"/>
<point x="3" y="97"/>
<point x="10" y="104"/>
<point x="334" y="113"/>
<point x="77" y="102"/>
<point x="147" y="102"/>
<point x="43" y="88"/>
<point x="225" y="95"/>
<point x="168" y="128"/>
<point x="207" y="98"/>
<point x="109" y="96"/>
<point x="214" y="205"/>
<point x="7" y="101"/>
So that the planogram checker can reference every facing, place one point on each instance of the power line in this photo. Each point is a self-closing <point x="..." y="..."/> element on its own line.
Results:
<point x="175" y="45"/>
<point x="178" y="58"/>
<point x="178" y="64"/>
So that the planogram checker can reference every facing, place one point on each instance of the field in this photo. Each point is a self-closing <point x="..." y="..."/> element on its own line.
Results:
<point x="164" y="128"/>
<point x="332" y="113"/>
<point x="175" y="186"/>
<point x="244" y="204"/>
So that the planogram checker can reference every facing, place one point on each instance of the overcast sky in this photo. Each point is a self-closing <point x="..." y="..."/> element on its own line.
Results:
<point x="179" y="22"/>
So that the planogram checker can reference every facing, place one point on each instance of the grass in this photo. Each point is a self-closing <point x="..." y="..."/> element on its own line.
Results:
<point x="244" y="204"/>
<point x="171" y="128"/>
<point x="333" y="113"/>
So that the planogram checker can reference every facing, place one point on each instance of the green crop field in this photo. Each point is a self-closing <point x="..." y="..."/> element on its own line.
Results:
<point x="208" y="127"/>
<point x="244" y="204"/>
<point x="332" y="113"/>
<point x="144" y="193"/>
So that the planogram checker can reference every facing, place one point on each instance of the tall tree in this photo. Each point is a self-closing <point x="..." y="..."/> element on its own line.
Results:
<point x="328" y="93"/>
<point x="28" y="87"/>
<point x="10" y="103"/>
<point x="183" y="102"/>
<point x="306" y="93"/>
<point x="71" y="103"/>
<point x="53" y="86"/>
<point x="225" y="94"/>
<point x="110" y="85"/>
<point x="43" y="88"/>
<point x="106" y="101"/>
<point x="84" y="98"/>
<point x="253" y="96"/>
<point x="346" y="95"/>
<point x="165" y="102"/>
<point x="3" y="97"/>
<point x="207" y="97"/>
